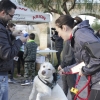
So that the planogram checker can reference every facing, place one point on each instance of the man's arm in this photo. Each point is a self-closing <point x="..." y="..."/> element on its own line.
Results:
<point x="56" y="37"/>
<point x="53" y="39"/>
<point x="8" y="51"/>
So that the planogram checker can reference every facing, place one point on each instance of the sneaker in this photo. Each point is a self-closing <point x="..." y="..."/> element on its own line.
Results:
<point x="11" y="81"/>
<point x="32" y="81"/>
<point x="27" y="82"/>
<point x="18" y="75"/>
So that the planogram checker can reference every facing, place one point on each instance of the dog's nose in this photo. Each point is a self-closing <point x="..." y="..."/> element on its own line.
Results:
<point x="43" y="72"/>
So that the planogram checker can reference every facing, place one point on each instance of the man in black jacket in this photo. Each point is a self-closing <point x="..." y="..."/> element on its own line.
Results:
<point x="58" y="46"/>
<point x="7" y="50"/>
<point x="11" y="29"/>
<point x="67" y="60"/>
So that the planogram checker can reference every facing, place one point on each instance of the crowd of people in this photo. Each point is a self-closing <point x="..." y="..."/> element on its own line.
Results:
<point x="70" y="35"/>
<point x="26" y="56"/>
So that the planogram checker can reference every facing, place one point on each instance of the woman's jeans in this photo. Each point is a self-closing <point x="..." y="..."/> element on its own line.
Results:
<point x="3" y="87"/>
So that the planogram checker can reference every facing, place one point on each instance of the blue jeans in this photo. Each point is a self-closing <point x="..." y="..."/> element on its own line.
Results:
<point x="3" y="87"/>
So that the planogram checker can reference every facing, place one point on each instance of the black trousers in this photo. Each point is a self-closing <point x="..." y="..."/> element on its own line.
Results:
<point x="20" y="61"/>
<point x="68" y="82"/>
<point x="58" y="55"/>
<point x="94" y="95"/>
<point x="11" y="72"/>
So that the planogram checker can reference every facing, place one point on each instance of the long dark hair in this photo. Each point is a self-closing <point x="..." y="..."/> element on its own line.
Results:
<point x="67" y="20"/>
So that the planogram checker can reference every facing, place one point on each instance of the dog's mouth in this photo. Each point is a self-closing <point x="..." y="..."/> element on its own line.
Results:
<point x="46" y="77"/>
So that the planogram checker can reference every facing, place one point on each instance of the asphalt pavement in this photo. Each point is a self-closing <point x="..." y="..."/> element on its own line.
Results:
<point x="18" y="92"/>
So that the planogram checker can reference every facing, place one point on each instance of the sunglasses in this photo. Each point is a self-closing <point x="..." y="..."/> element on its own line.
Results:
<point x="10" y="15"/>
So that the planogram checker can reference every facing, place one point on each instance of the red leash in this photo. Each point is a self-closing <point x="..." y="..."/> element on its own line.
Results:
<point x="87" y="85"/>
<point x="88" y="89"/>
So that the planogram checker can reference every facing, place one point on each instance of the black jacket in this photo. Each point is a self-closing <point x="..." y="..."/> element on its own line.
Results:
<point x="58" y="41"/>
<point x="11" y="36"/>
<point x="68" y="55"/>
<point x="7" y="50"/>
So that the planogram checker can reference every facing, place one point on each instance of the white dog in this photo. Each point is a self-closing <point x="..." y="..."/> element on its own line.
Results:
<point x="44" y="88"/>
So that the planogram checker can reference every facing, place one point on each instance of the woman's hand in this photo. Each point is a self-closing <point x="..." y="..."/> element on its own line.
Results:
<point x="59" y="67"/>
<point x="80" y="72"/>
<point x="61" y="72"/>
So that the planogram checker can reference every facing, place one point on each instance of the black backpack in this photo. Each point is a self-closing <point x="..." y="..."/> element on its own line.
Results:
<point x="92" y="48"/>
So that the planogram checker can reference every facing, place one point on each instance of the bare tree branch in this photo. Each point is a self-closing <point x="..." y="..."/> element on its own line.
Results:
<point x="50" y="8"/>
<point x="72" y="7"/>
<point x="43" y="3"/>
<point x="64" y="6"/>
<point x="54" y="10"/>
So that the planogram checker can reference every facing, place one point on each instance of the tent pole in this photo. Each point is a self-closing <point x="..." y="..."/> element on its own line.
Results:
<point x="51" y="43"/>
<point x="50" y="36"/>
<point x="28" y="28"/>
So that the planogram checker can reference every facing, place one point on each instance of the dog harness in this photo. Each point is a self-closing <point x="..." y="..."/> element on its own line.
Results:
<point x="51" y="85"/>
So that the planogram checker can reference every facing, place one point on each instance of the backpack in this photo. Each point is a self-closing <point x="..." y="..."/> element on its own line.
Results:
<point x="92" y="48"/>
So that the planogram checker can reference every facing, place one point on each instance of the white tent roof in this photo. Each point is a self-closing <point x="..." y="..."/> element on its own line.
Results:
<point x="24" y="15"/>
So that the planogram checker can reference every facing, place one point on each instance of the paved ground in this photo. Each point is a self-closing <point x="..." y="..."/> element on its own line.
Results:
<point x="18" y="92"/>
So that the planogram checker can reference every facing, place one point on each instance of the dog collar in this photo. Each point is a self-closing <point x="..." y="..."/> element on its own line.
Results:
<point x="51" y="85"/>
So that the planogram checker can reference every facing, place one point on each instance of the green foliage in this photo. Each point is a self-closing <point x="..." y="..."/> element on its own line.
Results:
<point x="62" y="7"/>
<point x="51" y="6"/>
<point x="96" y="25"/>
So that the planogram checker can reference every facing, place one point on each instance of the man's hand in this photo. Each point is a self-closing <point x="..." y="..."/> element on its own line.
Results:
<point x="17" y="33"/>
<point x="51" y="38"/>
<point x="23" y="39"/>
<point x="80" y="73"/>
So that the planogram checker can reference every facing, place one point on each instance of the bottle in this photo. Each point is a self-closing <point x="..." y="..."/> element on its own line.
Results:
<point x="26" y="34"/>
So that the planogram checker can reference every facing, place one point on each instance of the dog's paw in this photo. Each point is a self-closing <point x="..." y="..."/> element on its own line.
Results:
<point x="37" y="99"/>
<point x="30" y="98"/>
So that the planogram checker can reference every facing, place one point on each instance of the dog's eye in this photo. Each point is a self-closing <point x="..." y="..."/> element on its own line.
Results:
<point x="43" y="66"/>
<point x="49" y="69"/>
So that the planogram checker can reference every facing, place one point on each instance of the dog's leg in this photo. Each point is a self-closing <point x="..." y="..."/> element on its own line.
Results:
<point x="33" y="92"/>
<point x="40" y="95"/>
